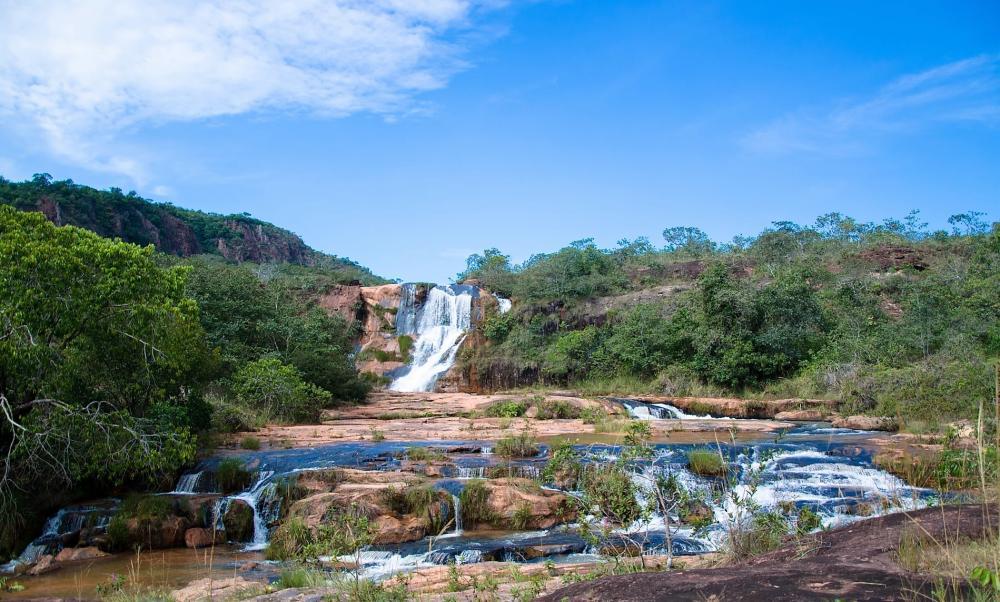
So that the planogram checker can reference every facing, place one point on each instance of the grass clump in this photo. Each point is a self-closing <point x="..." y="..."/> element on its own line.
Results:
<point x="517" y="446"/>
<point x="508" y="408"/>
<point x="250" y="443"/>
<point x="419" y="453"/>
<point x="564" y="467"/>
<point x="475" y="504"/>
<point x="415" y="499"/>
<point x="232" y="475"/>
<point x="707" y="463"/>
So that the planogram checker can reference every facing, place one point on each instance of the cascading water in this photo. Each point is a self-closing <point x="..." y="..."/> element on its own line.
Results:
<point x="440" y="325"/>
<point x="188" y="483"/>
<point x="655" y="411"/>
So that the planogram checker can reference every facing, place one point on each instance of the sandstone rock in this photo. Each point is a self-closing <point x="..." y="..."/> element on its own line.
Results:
<point x="391" y="529"/>
<point x="866" y="423"/>
<point x="158" y="533"/>
<point x="198" y="537"/>
<point x="216" y="589"/>
<point x="555" y="549"/>
<point x="523" y="498"/>
<point x="802" y="415"/>
<point x="238" y="521"/>
<point x="44" y="564"/>
<point x="87" y="553"/>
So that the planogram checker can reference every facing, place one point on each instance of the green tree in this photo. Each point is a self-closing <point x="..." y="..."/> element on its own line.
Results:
<point x="279" y="390"/>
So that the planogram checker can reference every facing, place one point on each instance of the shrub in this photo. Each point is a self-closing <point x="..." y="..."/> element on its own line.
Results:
<point x="593" y="414"/>
<point x="706" y="463"/>
<point x="516" y="446"/>
<point x="231" y="475"/>
<point x="509" y="408"/>
<point x="250" y="443"/>
<point x="556" y="409"/>
<point x="764" y="532"/>
<point x="807" y="521"/>
<point x="230" y="416"/>
<point x="279" y="389"/>
<point x="610" y="488"/>
<point x="564" y="467"/>
<point x="522" y="516"/>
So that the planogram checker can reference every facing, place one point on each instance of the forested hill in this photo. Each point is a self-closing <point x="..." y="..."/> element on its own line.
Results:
<point x="173" y="230"/>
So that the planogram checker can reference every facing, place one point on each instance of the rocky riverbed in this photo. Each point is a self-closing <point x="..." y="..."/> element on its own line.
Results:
<point x="434" y="447"/>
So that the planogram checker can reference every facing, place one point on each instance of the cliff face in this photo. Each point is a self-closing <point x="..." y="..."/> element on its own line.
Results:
<point x="170" y="229"/>
<point x="380" y="351"/>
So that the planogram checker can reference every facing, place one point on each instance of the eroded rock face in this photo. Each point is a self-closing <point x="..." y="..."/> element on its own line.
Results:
<point x="375" y="308"/>
<point x="155" y="534"/>
<point x="522" y="500"/>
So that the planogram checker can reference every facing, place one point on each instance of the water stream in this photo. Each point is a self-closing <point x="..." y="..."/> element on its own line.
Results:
<point x="829" y="472"/>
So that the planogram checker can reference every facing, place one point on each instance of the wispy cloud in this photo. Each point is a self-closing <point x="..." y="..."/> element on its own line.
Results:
<point x="77" y="74"/>
<point x="963" y="91"/>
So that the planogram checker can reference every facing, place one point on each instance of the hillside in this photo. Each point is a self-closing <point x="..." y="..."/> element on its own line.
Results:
<point x="172" y="230"/>
<point x="887" y="318"/>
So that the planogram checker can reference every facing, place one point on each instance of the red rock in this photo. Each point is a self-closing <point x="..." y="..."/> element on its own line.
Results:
<point x="196" y="537"/>
<point x="71" y="554"/>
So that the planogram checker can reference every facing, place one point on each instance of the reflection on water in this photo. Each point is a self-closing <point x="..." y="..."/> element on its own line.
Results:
<point x="158" y="569"/>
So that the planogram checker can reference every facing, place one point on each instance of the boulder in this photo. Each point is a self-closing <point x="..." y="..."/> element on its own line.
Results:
<point x="86" y="553"/>
<point x="214" y="589"/>
<point x="44" y="564"/>
<point x="238" y="521"/>
<point x="155" y="534"/>
<point x="524" y="499"/>
<point x="391" y="529"/>
<point x="198" y="537"/>
<point x="866" y="423"/>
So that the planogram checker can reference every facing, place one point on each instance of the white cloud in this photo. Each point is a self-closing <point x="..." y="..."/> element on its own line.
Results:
<point x="79" y="73"/>
<point x="963" y="91"/>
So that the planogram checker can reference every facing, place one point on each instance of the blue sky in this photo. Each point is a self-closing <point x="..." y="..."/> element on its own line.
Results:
<point x="409" y="134"/>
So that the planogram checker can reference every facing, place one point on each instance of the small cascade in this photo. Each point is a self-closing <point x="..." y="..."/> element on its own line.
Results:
<point x="188" y="483"/>
<point x="457" y="503"/>
<point x="504" y="305"/>
<point x="440" y="326"/>
<point x="260" y="497"/>
<point x="655" y="411"/>
<point x="471" y="472"/>
<point x="65" y="521"/>
<point x="486" y="450"/>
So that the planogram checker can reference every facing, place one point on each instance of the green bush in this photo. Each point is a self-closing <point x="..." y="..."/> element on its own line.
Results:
<point x="556" y="409"/>
<point x="765" y="532"/>
<point x="509" y="408"/>
<point x="231" y="475"/>
<point x="278" y="389"/>
<point x="609" y="487"/>
<point x="807" y="521"/>
<point x="564" y="467"/>
<point x="250" y="443"/>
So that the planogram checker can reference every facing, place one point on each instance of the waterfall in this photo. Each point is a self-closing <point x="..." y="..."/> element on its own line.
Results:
<point x="188" y="483"/>
<point x="655" y="411"/>
<point x="457" y="502"/>
<point x="440" y="326"/>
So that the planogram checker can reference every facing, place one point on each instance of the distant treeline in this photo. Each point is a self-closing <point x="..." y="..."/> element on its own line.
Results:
<point x="888" y="318"/>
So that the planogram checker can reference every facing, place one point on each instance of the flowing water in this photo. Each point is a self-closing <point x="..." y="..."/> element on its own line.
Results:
<point x="655" y="411"/>
<point x="439" y="325"/>
<point x="826" y="470"/>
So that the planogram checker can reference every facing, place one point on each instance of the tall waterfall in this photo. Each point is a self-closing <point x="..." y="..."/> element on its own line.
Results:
<point x="439" y="326"/>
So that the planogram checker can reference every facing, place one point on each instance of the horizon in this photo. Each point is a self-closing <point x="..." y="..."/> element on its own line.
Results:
<point x="520" y="126"/>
